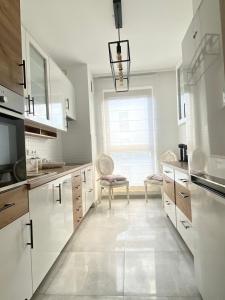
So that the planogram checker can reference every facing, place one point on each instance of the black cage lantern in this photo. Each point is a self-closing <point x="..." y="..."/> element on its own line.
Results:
<point x="119" y="54"/>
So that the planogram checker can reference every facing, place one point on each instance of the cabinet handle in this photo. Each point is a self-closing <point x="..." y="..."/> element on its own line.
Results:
<point x="6" y="206"/>
<point x="60" y="194"/>
<point x="31" y="243"/>
<point x="195" y="35"/>
<point x="167" y="172"/>
<point x="84" y="179"/>
<point x="90" y="190"/>
<point x="168" y="203"/>
<point x="24" y="74"/>
<point x="28" y="102"/>
<point x="184" y="223"/>
<point x="167" y="181"/>
<point x="32" y="100"/>
<point x="183" y="180"/>
<point x="68" y="103"/>
<point x="183" y="195"/>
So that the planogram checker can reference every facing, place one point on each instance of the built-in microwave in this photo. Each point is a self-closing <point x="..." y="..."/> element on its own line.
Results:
<point x="12" y="140"/>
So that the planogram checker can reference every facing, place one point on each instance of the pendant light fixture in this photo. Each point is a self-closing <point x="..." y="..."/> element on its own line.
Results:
<point x="119" y="54"/>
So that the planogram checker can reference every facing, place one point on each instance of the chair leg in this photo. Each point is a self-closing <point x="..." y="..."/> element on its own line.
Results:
<point x="128" y="194"/>
<point x="146" y="191"/>
<point x="102" y="188"/>
<point x="110" y="197"/>
<point x="112" y="194"/>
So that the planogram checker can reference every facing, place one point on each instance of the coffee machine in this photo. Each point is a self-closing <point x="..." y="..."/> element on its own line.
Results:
<point x="183" y="152"/>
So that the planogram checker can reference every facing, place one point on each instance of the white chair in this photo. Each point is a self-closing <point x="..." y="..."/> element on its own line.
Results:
<point x="157" y="179"/>
<point x="105" y="168"/>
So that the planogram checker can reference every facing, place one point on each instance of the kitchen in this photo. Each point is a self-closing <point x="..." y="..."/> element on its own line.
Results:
<point x="71" y="229"/>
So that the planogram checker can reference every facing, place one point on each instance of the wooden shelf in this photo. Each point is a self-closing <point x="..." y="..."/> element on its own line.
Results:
<point x="40" y="131"/>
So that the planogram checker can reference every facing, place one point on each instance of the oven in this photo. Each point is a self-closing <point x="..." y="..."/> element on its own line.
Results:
<point x="12" y="140"/>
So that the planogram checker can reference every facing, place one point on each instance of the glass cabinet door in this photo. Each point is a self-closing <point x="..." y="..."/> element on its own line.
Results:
<point x="39" y="93"/>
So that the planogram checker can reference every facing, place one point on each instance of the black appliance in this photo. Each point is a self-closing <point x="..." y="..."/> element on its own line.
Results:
<point x="12" y="139"/>
<point x="183" y="152"/>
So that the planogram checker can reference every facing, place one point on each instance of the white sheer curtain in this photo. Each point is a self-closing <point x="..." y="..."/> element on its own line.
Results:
<point x="130" y="134"/>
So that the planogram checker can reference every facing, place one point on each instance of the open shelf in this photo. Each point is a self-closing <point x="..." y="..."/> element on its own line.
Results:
<point x="41" y="132"/>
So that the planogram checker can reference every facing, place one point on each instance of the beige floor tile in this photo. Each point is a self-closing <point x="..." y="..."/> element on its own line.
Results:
<point x="159" y="274"/>
<point x="86" y="273"/>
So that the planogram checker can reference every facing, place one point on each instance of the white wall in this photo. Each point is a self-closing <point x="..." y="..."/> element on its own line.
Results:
<point x="164" y="94"/>
<point x="50" y="149"/>
<point x="77" y="140"/>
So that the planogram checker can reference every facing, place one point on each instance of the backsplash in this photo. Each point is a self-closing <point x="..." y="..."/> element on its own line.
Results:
<point x="51" y="149"/>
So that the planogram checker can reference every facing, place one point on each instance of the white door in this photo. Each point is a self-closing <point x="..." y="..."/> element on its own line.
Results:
<point x="67" y="202"/>
<point x="37" y="82"/>
<point x="57" y="96"/>
<point x="15" y="270"/>
<point x="46" y="214"/>
<point x="70" y="99"/>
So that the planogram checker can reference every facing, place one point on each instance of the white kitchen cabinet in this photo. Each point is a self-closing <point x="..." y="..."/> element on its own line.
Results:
<point x="87" y="188"/>
<point x="57" y="96"/>
<point x="69" y="99"/>
<point x="191" y="42"/>
<point x="15" y="271"/>
<point x="52" y="216"/>
<point x="37" y="77"/>
<point x="184" y="227"/>
<point x="63" y="195"/>
<point x="170" y="209"/>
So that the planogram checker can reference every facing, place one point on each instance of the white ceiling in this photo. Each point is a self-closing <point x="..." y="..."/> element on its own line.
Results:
<point x="79" y="30"/>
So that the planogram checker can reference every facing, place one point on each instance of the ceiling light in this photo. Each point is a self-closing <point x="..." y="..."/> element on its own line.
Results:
<point x="119" y="54"/>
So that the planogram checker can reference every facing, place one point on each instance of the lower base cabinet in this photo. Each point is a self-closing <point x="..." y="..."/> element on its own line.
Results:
<point x="15" y="270"/>
<point x="184" y="227"/>
<point x="170" y="209"/>
<point x="52" y="217"/>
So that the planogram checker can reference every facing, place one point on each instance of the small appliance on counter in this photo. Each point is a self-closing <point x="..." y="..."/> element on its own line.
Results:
<point x="183" y="152"/>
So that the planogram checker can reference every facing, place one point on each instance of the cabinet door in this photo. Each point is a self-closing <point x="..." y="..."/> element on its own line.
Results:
<point x="57" y="97"/>
<point x="15" y="271"/>
<point x="67" y="202"/>
<point x="191" y="41"/>
<point x="37" y="82"/>
<point x="70" y="100"/>
<point x="11" y="73"/>
<point x="47" y="217"/>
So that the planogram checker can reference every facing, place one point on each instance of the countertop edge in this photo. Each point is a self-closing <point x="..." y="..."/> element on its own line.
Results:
<point x="36" y="182"/>
<point x="182" y="169"/>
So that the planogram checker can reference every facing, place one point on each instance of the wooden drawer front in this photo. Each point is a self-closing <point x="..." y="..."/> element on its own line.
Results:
<point x="168" y="171"/>
<point x="184" y="227"/>
<point x="183" y="200"/>
<point x="168" y="187"/>
<point x="182" y="179"/>
<point x="13" y="204"/>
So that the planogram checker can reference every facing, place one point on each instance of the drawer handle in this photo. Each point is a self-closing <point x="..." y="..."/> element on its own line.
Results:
<point x="168" y="172"/>
<point x="60" y="194"/>
<point x="168" y="203"/>
<point x="167" y="181"/>
<point x="183" y="180"/>
<point x="183" y="195"/>
<point x="185" y="224"/>
<point x="31" y="243"/>
<point x="195" y="35"/>
<point x="6" y="206"/>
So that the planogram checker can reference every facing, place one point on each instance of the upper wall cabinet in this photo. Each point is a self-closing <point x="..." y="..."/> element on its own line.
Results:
<point x="57" y="96"/>
<point x="181" y="96"/>
<point x="70" y="99"/>
<point x="37" y="92"/>
<point x="11" y="64"/>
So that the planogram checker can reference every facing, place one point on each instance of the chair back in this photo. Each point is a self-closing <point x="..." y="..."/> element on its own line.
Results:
<point x="104" y="165"/>
<point x="168" y="156"/>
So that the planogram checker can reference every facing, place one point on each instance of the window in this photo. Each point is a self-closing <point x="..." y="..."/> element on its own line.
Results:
<point x="129" y="135"/>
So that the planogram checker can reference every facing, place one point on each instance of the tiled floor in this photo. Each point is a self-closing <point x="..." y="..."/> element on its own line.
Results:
<point x="131" y="252"/>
